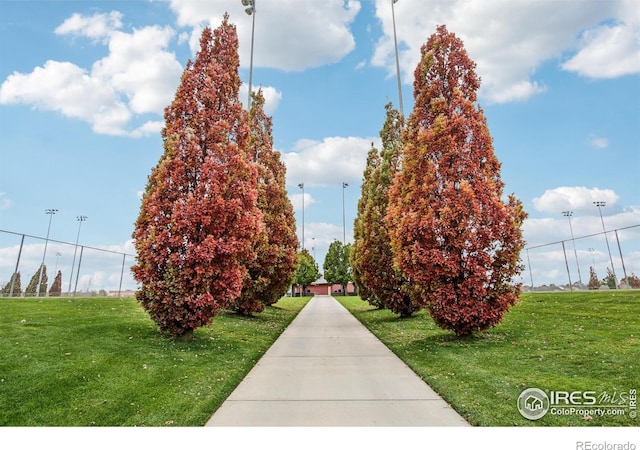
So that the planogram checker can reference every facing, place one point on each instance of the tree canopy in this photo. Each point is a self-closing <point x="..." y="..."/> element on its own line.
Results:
<point x="451" y="232"/>
<point x="199" y="219"/>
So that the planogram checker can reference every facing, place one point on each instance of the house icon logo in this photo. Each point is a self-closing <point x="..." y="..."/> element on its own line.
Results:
<point x="533" y="403"/>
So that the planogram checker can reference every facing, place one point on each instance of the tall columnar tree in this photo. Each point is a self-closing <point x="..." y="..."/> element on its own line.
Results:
<point x="594" y="282"/>
<point x="198" y="220"/>
<point x="358" y="256"/>
<point x="56" y="287"/>
<point x="610" y="279"/>
<point x="379" y="274"/>
<point x="450" y="229"/>
<point x="337" y="269"/>
<point x="31" y="288"/>
<point x="307" y="271"/>
<point x="271" y="273"/>
<point x="17" y="286"/>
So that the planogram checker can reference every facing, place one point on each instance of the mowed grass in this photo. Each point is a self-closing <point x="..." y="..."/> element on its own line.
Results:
<point x="102" y="362"/>
<point x="587" y="341"/>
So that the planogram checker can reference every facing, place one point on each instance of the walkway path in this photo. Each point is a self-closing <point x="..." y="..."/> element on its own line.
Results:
<point x="327" y="369"/>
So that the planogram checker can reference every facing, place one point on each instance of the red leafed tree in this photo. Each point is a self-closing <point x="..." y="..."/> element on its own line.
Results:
<point x="271" y="273"/>
<point x="198" y="220"/>
<point x="56" y="287"/>
<point x="375" y="259"/>
<point x="451" y="232"/>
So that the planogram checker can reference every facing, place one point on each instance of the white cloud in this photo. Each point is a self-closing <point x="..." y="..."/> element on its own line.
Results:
<point x="508" y="40"/>
<point x="289" y="34"/>
<point x="5" y="202"/>
<point x="271" y="95"/>
<point x="318" y="236"/>
<point x="96" y="27"/>
<point x="139" y="66"/>
<point x="598" y="142"/>
<point x="138" y="76"/>
<point x="70" y="90"/>
<point x="610" y="50"/>
<point x="574" y="198"/>
<point x="327" y="162"/>
<point x="297" y="201"/>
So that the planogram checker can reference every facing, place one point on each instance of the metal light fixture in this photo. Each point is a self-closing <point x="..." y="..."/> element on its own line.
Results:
<point x="51" y="212"/>
<point x="301" y="186"/>
<point x="395" y="41"/>
<point x="73" y="263"/>
<point x="344" y="229"/>
<point x="600" y="205"/>
<point x="575" y="252"/>
<point x="250" y="10"/>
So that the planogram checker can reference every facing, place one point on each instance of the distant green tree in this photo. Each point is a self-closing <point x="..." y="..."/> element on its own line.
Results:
<point x="56" y="287"/>
<point x="337" y="269"/>
<point x="594" y="282"/>
<point x="610" y="279"/>
<point x="17" y="287"/>
<point x="307" y="271"/>
<point x="30" y="291"/>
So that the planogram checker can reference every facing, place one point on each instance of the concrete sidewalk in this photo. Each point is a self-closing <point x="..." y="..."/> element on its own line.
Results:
<point x="327" y="369"/>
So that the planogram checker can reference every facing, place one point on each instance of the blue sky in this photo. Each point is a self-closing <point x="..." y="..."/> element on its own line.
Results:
<point x="83" y="86"/>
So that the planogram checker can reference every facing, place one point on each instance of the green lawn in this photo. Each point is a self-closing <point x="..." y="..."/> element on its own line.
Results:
<point x="587" y="341"/>
<point x="102" y="362"/>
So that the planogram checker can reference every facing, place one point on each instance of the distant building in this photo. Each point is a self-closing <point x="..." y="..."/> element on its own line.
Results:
<point x="322" y="287"/>
<point x="123" y="293"/>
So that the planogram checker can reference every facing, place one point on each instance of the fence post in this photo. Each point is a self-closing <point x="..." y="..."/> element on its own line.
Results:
<point x="624" y="269"/>
<point x="75" y="288"/>
<point x="15" y="272"/>
<point x="124" y="256"/>
<point x="566" y="263"/>
<point x="530" y="273"/>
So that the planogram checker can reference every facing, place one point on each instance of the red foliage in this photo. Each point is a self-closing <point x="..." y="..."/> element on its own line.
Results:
<point x="271" y="273"/>
<point x="198" y="219"/>
<point x="450" y="230"/>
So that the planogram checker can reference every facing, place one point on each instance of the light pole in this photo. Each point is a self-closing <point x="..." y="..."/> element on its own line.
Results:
<point x="600" y="205"/>
<point x="575" y="252"/>
<point x="80" y="220"/>
<point x="58" y="255"/>
<point x="593" y="260"/>
<point x="344" y="227"/>
<point x="51" y="212"/>
<point x="301" y="186"/>
<point x="313" y="248"/>
<point x="395" y="41"/>
<point x="251" y="10"/>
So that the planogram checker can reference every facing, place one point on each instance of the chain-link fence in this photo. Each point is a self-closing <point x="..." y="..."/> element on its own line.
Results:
<point x="80" y="269"/>
<point x="568" y="264"/>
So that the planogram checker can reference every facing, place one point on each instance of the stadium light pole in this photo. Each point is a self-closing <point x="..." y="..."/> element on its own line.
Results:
<point x="575" y="252"/>
<point x="600" y="205"/>
<point x="80" y="220"/>
<point x="395" y="42"/>
<point x="51" y="212"/>
<point x="250" y="10"/>
<point x="344" y="226"/>
<point x="301" y="186"/>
